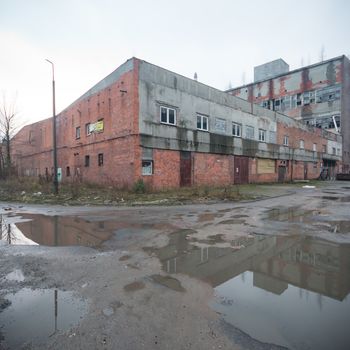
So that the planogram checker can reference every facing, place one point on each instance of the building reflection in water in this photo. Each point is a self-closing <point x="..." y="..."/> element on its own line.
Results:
<point x="286" y="290"/>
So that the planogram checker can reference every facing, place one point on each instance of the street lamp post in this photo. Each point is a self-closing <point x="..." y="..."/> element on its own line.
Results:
<point x="55" y="179"/>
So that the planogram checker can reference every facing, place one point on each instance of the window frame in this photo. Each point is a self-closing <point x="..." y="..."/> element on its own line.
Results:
<point x="285" y="140"/>
<point x="100" y="159"/>
<point x="301" y="144"/>
<point x="236" y="129"/>
<point x="202" y="117"/>
<point x="251" y="128"/>
<point x="77" y="132"/>
<point x="167" y="108"/>
<point x="87" y="161"/>
<point x="87" y="129"/>
<point x="143" y="167"/>
<point x="262" y="135"/>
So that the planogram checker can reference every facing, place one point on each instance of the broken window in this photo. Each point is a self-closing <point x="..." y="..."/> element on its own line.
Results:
<point x="167" y="115"/>
<point x="236" y="129"/>
<point x="277" y="104"/>
<point x="147" y="167"/>
<point x="77" y="132"/>
<point x="249" y="132"/>
<point x="202" y="122"/>
<point x="87" y="161"/>
<point x="100" y="159"/>
<point x="262" y="135"/>
<point x="298" y="99"/>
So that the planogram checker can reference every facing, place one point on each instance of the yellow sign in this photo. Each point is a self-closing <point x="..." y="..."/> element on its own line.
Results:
<point x="96" y="127"/>
<point x="266" y="166"/>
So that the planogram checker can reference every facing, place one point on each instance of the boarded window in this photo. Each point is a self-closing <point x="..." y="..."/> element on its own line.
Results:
<point x="220" y="125"/>
<point x="249" y="132"/>
<point x="266" y="166"/>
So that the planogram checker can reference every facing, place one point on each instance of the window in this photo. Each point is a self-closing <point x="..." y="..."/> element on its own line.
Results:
<point x="220" y="125"/>
<point x="333" y="150"/>
<point x="262" y="135"/>
<point x="236" y="129"/>
<point x="147" y="167"/>
<point x="87" y="129"/>
<point x="77" y="132"/>
<point x="285" y="140"/>
<point x="202" y="122"/>
<point x="324" y="148"/>
<point x="302" y="144"/>
<point x="314" y="147"/>
<point x="100" y="159"/>
<point x="87" y="161"/>
<point x="68" y="171"/>
<point x="338" y="151"/>
<point x="249" y="132"/>
<point x="167" y="115"/>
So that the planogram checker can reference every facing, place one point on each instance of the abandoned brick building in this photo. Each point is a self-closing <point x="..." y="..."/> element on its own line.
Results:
<point x="145" y="122"/>
<point x="318" y="94"/>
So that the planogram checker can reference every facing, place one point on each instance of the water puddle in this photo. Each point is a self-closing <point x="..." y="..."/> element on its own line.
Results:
<point x="133" y="286"/>
<point x="32" y="316"/>
<point x="92" y="231"/>
<point x="286" y="290"/>
<point x="169" y="282"/>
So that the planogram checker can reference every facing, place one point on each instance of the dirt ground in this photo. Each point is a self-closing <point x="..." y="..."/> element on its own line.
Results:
<point x="134" y="299"/>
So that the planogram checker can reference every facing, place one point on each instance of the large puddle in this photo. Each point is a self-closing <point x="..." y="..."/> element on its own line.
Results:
<point x="32" y="316"/>
<point x="92" y="231"/>
<point x="291" y="291"/>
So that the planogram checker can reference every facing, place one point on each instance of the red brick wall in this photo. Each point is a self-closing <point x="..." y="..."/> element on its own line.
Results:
<point x="166" y="168"/>
<point x="118" y="142"/>
<point x="212" y="169"/>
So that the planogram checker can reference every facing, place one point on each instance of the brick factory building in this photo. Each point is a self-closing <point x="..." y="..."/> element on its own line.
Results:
<point x="145" y="122"/>
<point x="317" y="95"/>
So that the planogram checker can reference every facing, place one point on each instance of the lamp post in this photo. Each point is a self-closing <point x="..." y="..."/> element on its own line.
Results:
<point x="55" y="179"/>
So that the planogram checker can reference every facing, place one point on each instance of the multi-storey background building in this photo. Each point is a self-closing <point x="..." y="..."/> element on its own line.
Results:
<point x="317" y="95"/>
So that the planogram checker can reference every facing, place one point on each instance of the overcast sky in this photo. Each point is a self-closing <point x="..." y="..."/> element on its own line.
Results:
<point x="221" y="40"/>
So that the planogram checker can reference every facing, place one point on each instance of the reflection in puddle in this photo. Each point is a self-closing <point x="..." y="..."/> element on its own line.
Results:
<point x="67" y="230"/>
<point x="287" y="290"/>
<point x="34" y="315"/>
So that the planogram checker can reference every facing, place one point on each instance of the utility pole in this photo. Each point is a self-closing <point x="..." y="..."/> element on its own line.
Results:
<point x="55" y="179"/>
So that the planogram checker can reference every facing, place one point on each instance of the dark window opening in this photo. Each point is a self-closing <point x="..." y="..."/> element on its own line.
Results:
<point x="68" y="171"/>
<point x="100" y="159"/>
<point x="87" y="161"/>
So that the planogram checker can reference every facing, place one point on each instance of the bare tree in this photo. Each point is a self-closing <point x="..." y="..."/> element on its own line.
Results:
<point x="8" y="115"/>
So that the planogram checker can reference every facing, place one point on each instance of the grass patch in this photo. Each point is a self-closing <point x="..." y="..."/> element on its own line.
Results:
<point x="29" y="190"/>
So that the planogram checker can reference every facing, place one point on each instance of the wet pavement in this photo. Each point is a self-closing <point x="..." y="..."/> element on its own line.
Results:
<point x="254" y="275"/>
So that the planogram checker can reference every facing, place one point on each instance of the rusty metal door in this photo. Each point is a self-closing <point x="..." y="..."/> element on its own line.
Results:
<point x="281" y="173"/>
<point x="185" y="168"/>
<point x="241" y="170"/>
